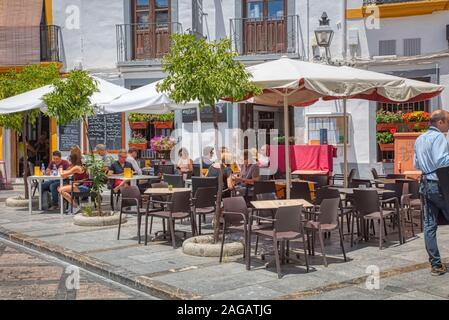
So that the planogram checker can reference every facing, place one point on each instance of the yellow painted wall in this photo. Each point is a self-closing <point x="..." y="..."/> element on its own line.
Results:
<point x="49" y="11"/>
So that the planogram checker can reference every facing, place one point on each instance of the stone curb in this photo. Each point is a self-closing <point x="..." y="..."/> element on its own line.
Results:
<point x="128" y="278"/>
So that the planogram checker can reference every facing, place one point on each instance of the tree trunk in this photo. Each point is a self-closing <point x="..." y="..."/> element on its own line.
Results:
<point x="98" y="197"/>
<point x="25" y="156"/>
<point x="220" y="179"/>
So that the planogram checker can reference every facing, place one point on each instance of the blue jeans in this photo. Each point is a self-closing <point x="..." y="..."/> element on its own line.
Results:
<point x="52" y="186"/>
<point x="434" y="203"/>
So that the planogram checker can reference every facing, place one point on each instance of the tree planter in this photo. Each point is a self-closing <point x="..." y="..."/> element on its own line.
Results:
<point x="138" y="125"/>
<point x="138" y="146"/>
<point x="163" y="124"/>
<point x="386" y="147"/>
<point x="85" y="221"/>
<point x="204" y="246"/>
<point x="20" y="202"/>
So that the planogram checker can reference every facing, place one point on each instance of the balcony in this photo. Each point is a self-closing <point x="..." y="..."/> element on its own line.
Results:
<point x="144" y="41"/>
<point x="266" y="35"/>
<point x="29" y="45"/>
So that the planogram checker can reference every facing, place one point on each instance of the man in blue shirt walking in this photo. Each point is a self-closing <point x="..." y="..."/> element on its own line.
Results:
<point x="432" y="153"/>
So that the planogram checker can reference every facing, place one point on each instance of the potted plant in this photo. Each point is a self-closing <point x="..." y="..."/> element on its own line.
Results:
<point x="416" y="121"/>
<point x="138" y="142"/>
<point x="388" y="120"/>
<point x="386" y="140"/>
<point x="163" y="143"/>
<point x="163" y="121"/>
<point x="138" y="120"/>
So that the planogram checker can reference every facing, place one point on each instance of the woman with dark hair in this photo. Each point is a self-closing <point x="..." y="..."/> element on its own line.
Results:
<point x="79" y="173"/>
<point x="184" y="164"/>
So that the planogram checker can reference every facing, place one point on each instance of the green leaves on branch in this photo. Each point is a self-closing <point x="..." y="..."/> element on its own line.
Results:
<point x="204" y="71"/>
<point x="70" y="101"/>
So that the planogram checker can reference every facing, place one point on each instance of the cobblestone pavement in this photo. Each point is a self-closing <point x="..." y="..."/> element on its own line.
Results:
<point x="169" y="273"/>
<point x="26" y="275"/>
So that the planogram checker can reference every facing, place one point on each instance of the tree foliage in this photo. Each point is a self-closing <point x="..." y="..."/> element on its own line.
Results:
<point x="70" y="101"/>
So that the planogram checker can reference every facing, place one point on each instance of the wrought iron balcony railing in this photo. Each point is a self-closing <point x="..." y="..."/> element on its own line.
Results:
<point x="144" y="41"/>
<point x="28" y="45"/>
<point x="374" y="2"/>
<point x="266" y="35"/>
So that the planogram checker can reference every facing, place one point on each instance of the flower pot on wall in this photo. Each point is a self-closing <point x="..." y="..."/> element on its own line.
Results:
<point x="417" y="125"/>
<point x="386" y="147"/>
<point x="387" y="126"/>
<point x="138" y="146"/>
<point x="163" y="124"/>
<point x="138" y="125"/>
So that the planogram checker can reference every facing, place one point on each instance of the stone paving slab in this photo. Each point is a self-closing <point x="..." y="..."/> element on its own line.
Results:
<point x="168" y="273"/>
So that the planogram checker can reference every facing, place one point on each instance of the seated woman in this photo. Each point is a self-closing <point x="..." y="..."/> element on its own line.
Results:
<point x="248" y="175"/>
<point x="214" y="171"/>
<point x="79" y="173"/>
<point x="184" y="164"/>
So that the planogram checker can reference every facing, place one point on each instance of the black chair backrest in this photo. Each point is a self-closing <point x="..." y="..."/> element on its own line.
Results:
<point x="300" y="190"/>
<point x="395" y="176"/>
<point x="329" y="211"/>
<point x="204" y="182"/>
<point x="395" y="188"/>
<point x="413" y="189"/>
<point x="355" y="183"/>
<point x="205" y="197"/>
<point x="180" y="201"/>
<point x="266" y="196"/>
<point x="374" y="173"/>
<point x="320" y="181"/>
<point x="165" y="169"/>
<point x="159" y="185"/>
<point x="288" y="219"/>
<point x="196" y="170"/>
<point x="366" y="201"/>
<point x="264" y="187"/>
<point x="175" y="180"/>
<point x="351" y="175"/>
<point x="130" y="192"/>
<point x="325" y="193"/>
<point x="235" y="204"/>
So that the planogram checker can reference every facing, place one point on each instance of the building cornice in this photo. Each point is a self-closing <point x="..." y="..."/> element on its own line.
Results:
<point x="401" y="60"/>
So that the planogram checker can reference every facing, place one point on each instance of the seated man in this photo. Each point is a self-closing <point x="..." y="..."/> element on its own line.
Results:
<point x="118" y="167"/>
<point x="208" y="153"/>
<point x="52" y="185"/>
<point x="100" y="149"/>
<point x="249" y="173"/>
<point x="132" y="158"/>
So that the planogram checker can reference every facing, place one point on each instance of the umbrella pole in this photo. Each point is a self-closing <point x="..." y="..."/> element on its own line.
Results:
<point x="287" y="151"/>
<point x="345" y="144"/>
<point x="198" y="131"/>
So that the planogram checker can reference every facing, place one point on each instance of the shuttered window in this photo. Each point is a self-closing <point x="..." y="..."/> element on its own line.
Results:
<point x="412" y="47"/>
<point x="387" y="47"/>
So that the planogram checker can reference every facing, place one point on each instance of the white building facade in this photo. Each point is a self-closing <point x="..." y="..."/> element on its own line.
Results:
<point x="124" y="40"/>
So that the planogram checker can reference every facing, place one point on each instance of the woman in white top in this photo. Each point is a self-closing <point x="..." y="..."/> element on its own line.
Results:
<point x="184" y="164"/>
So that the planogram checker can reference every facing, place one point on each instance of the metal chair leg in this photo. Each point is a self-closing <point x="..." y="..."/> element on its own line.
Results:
<point x="320" y="236"/>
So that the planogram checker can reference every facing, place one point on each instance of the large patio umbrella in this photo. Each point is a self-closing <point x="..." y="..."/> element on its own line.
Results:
<point x="286" y="82"/>
<point x="33" y="99"/>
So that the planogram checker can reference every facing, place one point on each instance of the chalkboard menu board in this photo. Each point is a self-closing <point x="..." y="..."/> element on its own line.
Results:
<point x="106" y="129"/>
<point x="189" y="115"/>
<point x="69" y="135"/>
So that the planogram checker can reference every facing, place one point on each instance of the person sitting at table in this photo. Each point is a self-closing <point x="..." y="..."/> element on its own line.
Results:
<point x="132" y="158"/>
<point x="79" y="173"/>
<point x="214" y="171"/>
<point x="103" y="154"/>
<point x="52" y="185"/>
<point x="208" y="153"/>
<point x="118" y="167"/>
<point x="184" y="164"/>
<point x="263" y="159"/>
<point x="248" y="175"/>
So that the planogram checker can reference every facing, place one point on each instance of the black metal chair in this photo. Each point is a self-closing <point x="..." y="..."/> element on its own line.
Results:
<point x="376" y="175"/>
<point x="392" y="176"/>
<point x="204" y="182"/>
<point x="340" y="176"/>
<point x="204" y="203"/>
<point x="162" y="169"/>
<point x="356" y="183"/>
<point x="78" y="195"/>
<point x="261" y="187"/>
<point x="131" y="197"/>
<point x="176" y="180"/>
<point x="196" y="170"/>
<point x="300" y="190"/>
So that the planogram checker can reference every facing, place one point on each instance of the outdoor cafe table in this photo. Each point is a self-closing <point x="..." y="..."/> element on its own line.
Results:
<point x="39" y="180"/>
<point x="133" y="180"/>
<point x="165" y="191"/>
<point x="350" y="191"/>
<point x="276" y="204"/>
<point x="310" y="172"/>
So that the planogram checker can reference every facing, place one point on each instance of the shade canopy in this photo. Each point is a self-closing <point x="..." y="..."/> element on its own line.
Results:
<point x="146" y="99"/>
<point x="305" y="83"/>
<point x="33" y="99"/>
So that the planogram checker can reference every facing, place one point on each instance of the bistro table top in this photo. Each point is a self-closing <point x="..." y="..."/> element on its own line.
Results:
<point x="45" y="177"/>
<point x="283" y="181"/>
<point x="165" y="190"/>
<point x="275" y="204"/>
<point x="311" y="172"/>
<point x="390" y="181"/>
<point x="134" y="177"/>
<point x="351" y="190"/>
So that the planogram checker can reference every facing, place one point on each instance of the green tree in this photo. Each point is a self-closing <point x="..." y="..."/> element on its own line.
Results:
<point x="205" y="71"/>
<point x="70" y="101"/>
<point x="14" y="83"/>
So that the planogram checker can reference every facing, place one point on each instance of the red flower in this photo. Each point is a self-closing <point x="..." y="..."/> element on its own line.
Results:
<point x="393" y="131"/>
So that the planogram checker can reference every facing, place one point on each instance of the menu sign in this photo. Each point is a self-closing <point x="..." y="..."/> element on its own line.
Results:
<point x="106" y="129"/>
<point x="69" y="135"/>
<point x="206" y="114"/>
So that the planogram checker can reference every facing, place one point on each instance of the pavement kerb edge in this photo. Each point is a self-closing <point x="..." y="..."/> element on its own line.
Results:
<point x="135" y="281"/>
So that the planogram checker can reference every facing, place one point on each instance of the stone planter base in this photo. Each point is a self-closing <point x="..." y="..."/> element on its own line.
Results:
<point x="80" y="220"/>
<point x="19" y="202"/>
<point x="203" y="246"/>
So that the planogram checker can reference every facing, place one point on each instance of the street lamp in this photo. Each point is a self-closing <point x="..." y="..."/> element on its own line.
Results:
<point x="324" y="34"/>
